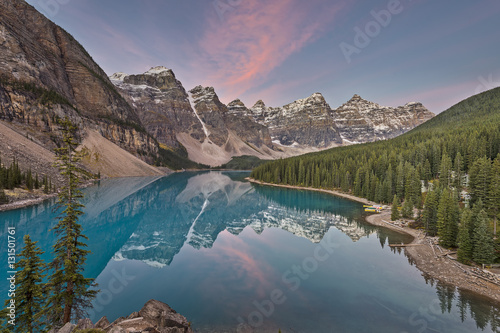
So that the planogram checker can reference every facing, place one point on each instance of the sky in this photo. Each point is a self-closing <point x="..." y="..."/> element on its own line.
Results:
<point x="387" y="51"/>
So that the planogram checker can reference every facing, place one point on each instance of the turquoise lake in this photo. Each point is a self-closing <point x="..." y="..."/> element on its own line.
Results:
<point x="228" y="254"/>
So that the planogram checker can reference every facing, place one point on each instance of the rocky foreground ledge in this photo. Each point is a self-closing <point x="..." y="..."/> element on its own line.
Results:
<point x="154" y="317"/>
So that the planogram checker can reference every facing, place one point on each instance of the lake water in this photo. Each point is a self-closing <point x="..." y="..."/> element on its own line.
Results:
<point x="226" y="253"/>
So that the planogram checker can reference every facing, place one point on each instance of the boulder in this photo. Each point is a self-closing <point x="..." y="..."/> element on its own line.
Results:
<point x="134" y="315"/>
<point x="163" y="316"/>
<point x="68" y="328"/>
<point x="85" y="324"/>
<point x="102" y="323"/>
<point x="118" y="320"/>
<point x="117" y="329"/>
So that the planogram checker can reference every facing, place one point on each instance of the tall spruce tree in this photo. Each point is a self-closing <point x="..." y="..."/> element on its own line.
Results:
<point x="480" y="175"/>
<point x="407" y="209"/>
<point x="29" y="294"/>
<point x="447" y="219"/>
<point x="69" y="287"/>
<point x="429" y="216"/>
<point x="3" y="197"/>
<point x="484" y="247"/>
<point x="464" y="242"/>
<point x="494" y="193"/>
<point x="394" y="209"/>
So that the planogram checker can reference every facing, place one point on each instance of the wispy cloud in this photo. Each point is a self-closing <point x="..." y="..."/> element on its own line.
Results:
<point x="255" y="38"/>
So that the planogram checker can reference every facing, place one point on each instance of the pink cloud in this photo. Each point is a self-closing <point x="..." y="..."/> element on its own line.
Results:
<point x="232" y="251"/>
<point x="255" y="38"/>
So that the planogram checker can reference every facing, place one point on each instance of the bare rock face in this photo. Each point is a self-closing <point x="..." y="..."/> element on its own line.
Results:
<point x="362" y="121"/>
<point x="45" y="74"/>
<point x="212" y="112"/>
<point x="240" y="121"/>
<point x="102" y="323"/>
<point x="312" y="122"/>
<point x="161" y="103"/>
<point x="305" y="122"/>
<point x="84" y="324"/>
<point x="68" y="328"/>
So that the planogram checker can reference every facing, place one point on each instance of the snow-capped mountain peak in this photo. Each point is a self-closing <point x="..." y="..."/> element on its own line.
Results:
<point x="157" y="70"/>
<point x="118" y="76"/>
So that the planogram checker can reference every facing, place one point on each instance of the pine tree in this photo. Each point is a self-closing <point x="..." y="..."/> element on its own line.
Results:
<point x="45" y="185"/>
<point x="447" y="219"/>
<point x="3" y="197"/>
<point x="494" y="193"/>
<point x="484" y="247"/>
<point x="29" y="180"/>
<point x="37" y="182"/>
<point x="480" y="174"/>
<point x="429" y="216"/>
<point x="70" y="255"/>
<point x="458" y="171"/>
<point x="29" y="293"/>
<point x="394" y="208"/>
<point x="464" y="252"/>
<point x="407" y="210"/>
<point x="445" y="170"/>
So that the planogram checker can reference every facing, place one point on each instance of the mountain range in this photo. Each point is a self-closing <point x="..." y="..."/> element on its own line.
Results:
<point x="129" y="121"/>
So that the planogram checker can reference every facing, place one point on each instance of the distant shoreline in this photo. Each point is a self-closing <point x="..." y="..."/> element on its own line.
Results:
<point x="36" y="200"/>
<point x="336" y="193"/>
<point x="428" y="257"/>
<point x="26" y="202"/>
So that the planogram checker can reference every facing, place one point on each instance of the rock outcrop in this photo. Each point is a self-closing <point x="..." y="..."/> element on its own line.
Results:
<point x="154" y="317"/>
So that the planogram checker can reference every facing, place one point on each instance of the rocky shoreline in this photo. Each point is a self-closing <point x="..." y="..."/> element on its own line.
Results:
<point x="432" y="260"/>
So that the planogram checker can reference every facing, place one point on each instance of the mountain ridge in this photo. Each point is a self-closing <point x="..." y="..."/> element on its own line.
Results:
<point x="271" y="132"/>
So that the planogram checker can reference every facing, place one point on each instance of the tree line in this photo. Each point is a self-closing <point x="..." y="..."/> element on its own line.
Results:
<point x="432" y="169"/>
<point x="12" y="176"/>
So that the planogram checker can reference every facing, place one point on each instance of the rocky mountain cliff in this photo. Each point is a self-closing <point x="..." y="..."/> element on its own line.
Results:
<point x="312" y="122"/>
<point x="45" y="74"/>
<point x="359" y="120"/>
<point x="303" y="122"/>
<point x="162" y="104"/>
